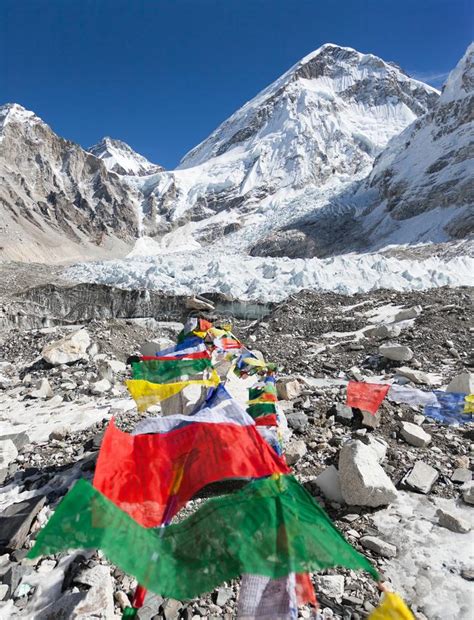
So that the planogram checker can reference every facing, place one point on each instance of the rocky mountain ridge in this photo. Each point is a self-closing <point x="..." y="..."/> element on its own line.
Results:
<point x="119" y="157"/>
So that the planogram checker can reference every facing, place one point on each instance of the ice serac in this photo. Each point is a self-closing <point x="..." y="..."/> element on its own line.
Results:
<point x="120" y="158"/>
<point x="57" y="201"/>
<point x="301" y="141"/>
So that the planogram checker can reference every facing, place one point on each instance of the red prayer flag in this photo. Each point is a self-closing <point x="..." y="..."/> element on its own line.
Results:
<point x="145" y="475"/>
<point x="366" y="396"/>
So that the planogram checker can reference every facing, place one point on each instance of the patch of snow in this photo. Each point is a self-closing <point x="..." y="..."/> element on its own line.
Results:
<point x="426" y="570"/>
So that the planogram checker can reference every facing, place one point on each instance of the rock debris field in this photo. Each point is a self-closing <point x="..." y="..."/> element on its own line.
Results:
<point x="397" y="484"/>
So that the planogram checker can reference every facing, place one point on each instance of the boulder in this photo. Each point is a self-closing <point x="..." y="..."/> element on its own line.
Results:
<point x="288" y="388"/>
<point x="100" y="387"/>
<point x="43" y="390"/>
<point x="378" y="445"/>
<point x="19" y="439"/>
<point x="16" y="520"/>
<point x="415" y="376"/>
<point x="8" y="453"/>
<point x="363" y="481"/>
<point x="468" y="492"/>
<point x="421" y="478"/>
<point x="294" y="451"/>
<point x="379" y="546"/>
<point x="70" y="349"/>
<point x="150" y="607"/>
<point x="370" y="420"/>
<point x="298" y="421"/>
<point x="331" y="586"/>
<point x="414" y="435"/>
<point x="343" y="413"/>
<point x="330" y="485"/>
<point x="461" y="475"/>
<point x="463" y="383"/>
<point x="452" y="522"/>
<point x="407" y="313"/>
<point x="383" y="331"/>
<point x="396" y="352"/>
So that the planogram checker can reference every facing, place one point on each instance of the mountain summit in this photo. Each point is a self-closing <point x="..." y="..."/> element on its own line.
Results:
<point x="318" y="127"/>
<point x="119" y="157"/>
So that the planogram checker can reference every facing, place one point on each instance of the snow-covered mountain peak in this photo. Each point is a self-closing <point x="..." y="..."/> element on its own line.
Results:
<point x="14" y="112"/>
<point x="120" y="158"/>
<point x="460" y="82"/>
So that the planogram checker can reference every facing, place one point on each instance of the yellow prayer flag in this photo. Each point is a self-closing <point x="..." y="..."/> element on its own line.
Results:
<point x="392" y="607"/>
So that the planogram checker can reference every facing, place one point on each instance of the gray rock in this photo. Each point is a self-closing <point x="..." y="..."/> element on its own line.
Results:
<point x="19" y="439"/>
<point x="330" y="485"/>
<point x="461" y="475"/>
<point x="171" y="608"/>
<point x="288" y="388"/>
<point x="415" y="376"/>
<point x="421" y="478"/>
<point x="122" y="599"/>
<point x="8" y="453"/>
<point x="408" y="313"/>
<point x="65" y="607"/>
<point x="150" y="607"/>
<point x="298" y="421"/>
<point x="378" y="445"/>
<point x="452" y="522"/>
<point x="223" y="596"/>
<point x="43" y="390"/>
<point x="463" y="383"/>
<point x="468" y="492"/>
<point x="343" y="413"/>
<point x="12" y="577"/>
<point x="294" y="451"/>
<point x="100" y="387"/>
<point x="383" y="331"/>
<point x="16" y="520"/>
<point x="331" y="586"/>
<point x="70" y="349"/>
<point x="371" y="420"/>
<point x="379" y="546"/>
<point x="396" y="352"/>
<point x="363" y="481"/>
<point x="3" y="591"/>
<point x="414" y="435"/>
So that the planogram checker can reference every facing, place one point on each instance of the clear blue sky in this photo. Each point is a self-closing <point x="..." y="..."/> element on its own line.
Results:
<point x="162" y="74"/>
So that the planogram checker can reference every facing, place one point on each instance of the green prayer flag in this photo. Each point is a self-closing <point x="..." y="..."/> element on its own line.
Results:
<point x="271" y="527"/>
<point x="163" y="371"/>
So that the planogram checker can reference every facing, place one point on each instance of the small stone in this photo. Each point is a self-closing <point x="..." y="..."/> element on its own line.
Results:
<point x="331" y="586"/>
<point x="383" y="331"/>
<point x="288" y="388"/>
<point x="371" y="420"/>
<point x="421" y="478"/>
<point x="223" y="596"/>
<point x="16" y="520"/>
<point x="379" y="546"/>
<point x="343" y="413"/>
<point x="452" y="522"/>
<point x="463" y="383"/>
<point x="150" y="607"/>
<point x="298" y="421"/>
<point x="396" y="352"/>
<point x="467" y="574"/>
<point x="461" y="475"/>
<point x="171" y="608"/>
<point x="8" y="453"/>
<point x="407" y="313"/>
<point x="414" y="435"/>
<point x="294" y="451"/>
<point x="59" y="433"/>
<point x="42" y="391"/>
<point x="468" y="492"/>
<point x="100" y="387"/>
<point x="329" y="484"/>
<point x="415" y="376"/>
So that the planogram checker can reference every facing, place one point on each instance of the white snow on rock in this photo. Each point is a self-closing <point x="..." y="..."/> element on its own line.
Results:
<point x="273" y="279"/>
<point x="426" y="570"/>
<point x="119" y="157"/>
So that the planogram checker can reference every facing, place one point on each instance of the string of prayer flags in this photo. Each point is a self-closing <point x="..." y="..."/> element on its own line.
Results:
<point x="184" y="349"/>
<point x="392" y="608"/>
<point x="262" y="402"/>
<point x="215" y="544"/>
<point x="451" y="408"/>
<point x="145" y="474"/>
<point x="366" y="396"/>
<point x="146" y="394"/>
<point x="408" y="395"/>
<point x="227" y="411"/>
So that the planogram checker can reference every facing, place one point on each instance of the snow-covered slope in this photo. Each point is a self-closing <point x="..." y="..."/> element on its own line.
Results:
<point x="312" y="132"/>
<point x="57" y="201"/>
<point x="421" y="187"/>
<point x="119" y="157"/>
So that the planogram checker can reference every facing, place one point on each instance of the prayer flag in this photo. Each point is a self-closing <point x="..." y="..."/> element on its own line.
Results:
<point x="366" y="396"/>
<point x="146" y="394"/>
<point x="136" y="472"/>
<point x="164" y="371"/>
<point x="451" y="408"/>
<point x="272" y="527"/>
<point x="391" y="608"/>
